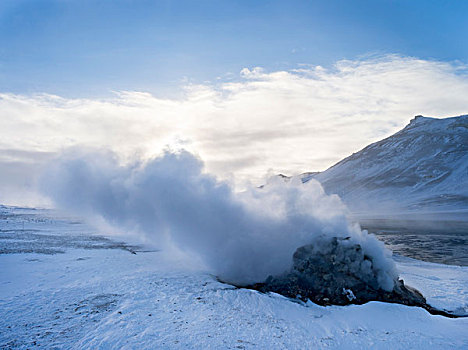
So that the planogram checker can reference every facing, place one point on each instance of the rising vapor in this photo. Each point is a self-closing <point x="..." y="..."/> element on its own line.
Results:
<point x="169" y="200"/>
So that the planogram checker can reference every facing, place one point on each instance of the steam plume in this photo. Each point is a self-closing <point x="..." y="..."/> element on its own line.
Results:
<point x="242" y="237"/>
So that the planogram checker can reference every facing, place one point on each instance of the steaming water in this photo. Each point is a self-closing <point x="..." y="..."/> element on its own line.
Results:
<point x="443" y="247"/>
<point x="443" y="238"/>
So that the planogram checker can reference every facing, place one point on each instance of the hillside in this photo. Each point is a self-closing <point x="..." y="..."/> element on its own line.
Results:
<point x="423" y="167"/>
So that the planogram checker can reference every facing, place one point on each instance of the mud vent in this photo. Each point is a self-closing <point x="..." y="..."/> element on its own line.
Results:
<point x="339" y="274"/>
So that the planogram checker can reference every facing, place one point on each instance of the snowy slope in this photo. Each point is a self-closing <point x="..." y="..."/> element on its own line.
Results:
<point x="103" y="299"/>
<point x="422" y="167"/>
<point x="101" y="296"/>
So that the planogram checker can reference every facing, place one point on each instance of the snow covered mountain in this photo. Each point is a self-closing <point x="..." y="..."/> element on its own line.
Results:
<point x="423" y="167"/>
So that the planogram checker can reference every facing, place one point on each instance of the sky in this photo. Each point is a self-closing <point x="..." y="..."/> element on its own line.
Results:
<point x="89" y="48"/>
<point x="252" y="87"/>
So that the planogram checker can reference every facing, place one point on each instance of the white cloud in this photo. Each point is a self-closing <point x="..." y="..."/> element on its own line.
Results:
<point x="285" y="121"/>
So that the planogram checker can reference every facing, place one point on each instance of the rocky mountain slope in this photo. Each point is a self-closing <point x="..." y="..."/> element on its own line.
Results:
<point x="423" y="167"/>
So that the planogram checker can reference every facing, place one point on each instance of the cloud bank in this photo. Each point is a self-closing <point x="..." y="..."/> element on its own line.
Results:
<point x="170" y="201"/>
<point x="279" y="122"/>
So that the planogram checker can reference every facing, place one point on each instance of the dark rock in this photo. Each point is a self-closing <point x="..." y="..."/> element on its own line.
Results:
<point x="339" y="274"/>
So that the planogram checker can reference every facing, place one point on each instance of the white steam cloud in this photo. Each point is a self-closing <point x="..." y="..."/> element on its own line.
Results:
<point x="241" y="237"/>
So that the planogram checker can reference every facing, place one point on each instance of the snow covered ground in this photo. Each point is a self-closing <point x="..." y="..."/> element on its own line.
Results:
<point x="73" y="290"/>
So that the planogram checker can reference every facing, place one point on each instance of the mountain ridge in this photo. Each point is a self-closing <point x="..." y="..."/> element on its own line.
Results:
<point x="424" y="166"/>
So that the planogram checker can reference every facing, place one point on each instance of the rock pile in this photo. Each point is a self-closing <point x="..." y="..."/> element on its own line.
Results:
<point x="339" y="274"/>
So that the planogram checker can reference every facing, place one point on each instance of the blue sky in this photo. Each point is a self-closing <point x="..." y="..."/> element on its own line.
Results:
<point x="90" y="48"/>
